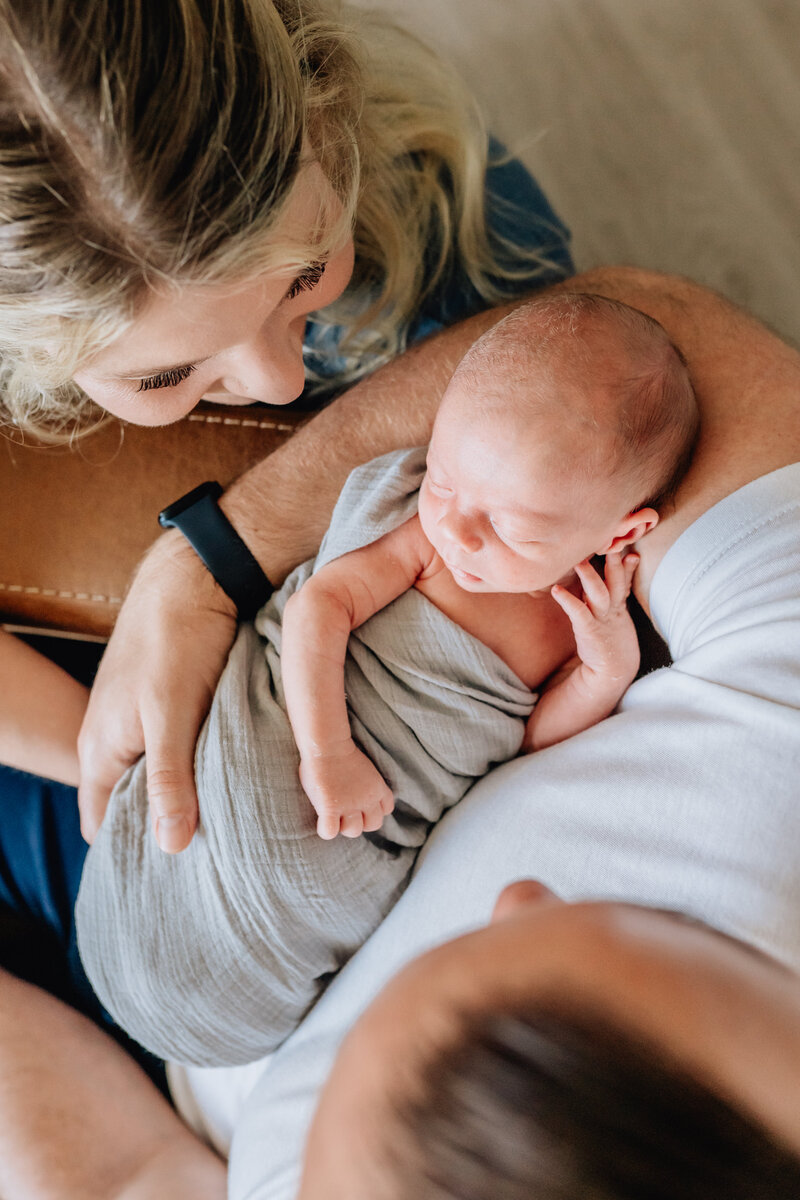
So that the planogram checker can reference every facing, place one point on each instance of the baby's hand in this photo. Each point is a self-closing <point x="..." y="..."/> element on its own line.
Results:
<point x="348" y="792"/>
<point x="605" y="636"/>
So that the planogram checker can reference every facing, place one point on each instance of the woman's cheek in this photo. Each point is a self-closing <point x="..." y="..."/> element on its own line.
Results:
<point x="151" y="409"/>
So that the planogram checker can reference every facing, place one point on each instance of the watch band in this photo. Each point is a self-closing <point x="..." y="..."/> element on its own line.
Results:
<point x="209" y="532"/>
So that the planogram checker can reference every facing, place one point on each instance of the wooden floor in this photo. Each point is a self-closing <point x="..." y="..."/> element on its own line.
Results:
<point x="666" y="131"/>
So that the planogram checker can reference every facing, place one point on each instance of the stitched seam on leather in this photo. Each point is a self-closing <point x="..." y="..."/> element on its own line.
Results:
<point x="245" y="422"/>
<point x="20" y="589"/>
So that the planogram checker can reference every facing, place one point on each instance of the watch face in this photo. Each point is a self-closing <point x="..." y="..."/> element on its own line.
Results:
<point x="210" y="488"/>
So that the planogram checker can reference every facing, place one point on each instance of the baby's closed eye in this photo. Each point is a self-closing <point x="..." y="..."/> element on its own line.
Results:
<point x="519" y="537"/>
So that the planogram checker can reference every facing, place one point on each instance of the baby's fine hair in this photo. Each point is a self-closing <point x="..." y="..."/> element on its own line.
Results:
<point x="573" y="342"/>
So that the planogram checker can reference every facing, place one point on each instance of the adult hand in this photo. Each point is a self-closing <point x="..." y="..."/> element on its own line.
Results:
<point x="153" y="689"/>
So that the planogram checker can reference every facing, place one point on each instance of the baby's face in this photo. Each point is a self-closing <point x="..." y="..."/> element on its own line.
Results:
<point x="503" y="504"/>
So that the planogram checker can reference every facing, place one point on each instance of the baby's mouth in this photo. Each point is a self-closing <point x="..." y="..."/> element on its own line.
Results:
<point x="459" y="573"/>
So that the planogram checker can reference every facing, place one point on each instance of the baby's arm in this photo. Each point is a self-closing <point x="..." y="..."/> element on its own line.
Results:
<point x="346" y="789"/>
<point x="590" y="686"/>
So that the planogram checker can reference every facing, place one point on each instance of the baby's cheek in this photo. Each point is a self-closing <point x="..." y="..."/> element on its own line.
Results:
<point x="426" y="518"/>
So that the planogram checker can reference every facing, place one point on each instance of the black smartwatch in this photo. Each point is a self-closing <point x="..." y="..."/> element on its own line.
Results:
<point x="209" y="532"/>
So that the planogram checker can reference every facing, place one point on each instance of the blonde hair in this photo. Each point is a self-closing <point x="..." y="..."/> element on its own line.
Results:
<point x="158" y="144"/>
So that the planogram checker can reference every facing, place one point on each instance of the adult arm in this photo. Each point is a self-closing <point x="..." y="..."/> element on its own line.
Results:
<point x="79" y="1120"/>
<point x="159" y="672"/>
<point x="41" y="710"/>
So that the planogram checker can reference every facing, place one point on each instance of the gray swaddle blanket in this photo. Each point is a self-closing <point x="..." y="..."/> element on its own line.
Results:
<point x="213" y="956"/>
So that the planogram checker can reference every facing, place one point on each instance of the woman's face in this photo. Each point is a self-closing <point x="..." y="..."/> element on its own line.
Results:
<point x="226" y="344"/>
<point x="727" y="1012"/>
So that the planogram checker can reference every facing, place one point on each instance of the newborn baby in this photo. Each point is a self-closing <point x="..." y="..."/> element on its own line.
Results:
<point x="550" y="446"/>
<point x="467" y="589"/>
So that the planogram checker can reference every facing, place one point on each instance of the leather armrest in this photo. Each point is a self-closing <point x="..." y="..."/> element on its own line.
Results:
<point x="76" y="520"/>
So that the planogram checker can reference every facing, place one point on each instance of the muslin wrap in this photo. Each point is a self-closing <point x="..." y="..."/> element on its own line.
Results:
<point x="214" y="955"/>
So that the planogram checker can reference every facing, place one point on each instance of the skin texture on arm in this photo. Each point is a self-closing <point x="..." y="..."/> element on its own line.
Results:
<point x="41" y="710"/>
<point x="67" y="1094"/>
<point x="346" y="789"/>
<point x="147" y="694"/>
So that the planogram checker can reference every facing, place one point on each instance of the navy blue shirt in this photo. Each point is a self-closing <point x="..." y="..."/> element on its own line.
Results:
<point x="518" y="215"/>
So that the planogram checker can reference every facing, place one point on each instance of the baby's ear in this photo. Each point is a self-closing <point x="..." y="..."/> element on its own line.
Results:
<point x="631" y="529"/>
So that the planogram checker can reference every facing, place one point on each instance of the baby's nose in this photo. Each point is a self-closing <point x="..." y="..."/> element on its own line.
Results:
<point x="461" y="530"/>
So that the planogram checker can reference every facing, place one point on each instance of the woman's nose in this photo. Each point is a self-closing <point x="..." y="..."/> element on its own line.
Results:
<point x="269" y="369"/>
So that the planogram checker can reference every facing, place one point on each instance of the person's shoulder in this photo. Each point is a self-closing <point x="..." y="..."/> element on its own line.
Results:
<point x="738" y="561"/>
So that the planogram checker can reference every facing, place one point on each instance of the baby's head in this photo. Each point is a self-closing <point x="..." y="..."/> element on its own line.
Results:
<point x="562" y="433"/>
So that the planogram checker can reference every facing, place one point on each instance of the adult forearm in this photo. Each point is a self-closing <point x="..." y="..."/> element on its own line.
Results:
<point x="282" y="506"/>
<point x="175" y="629"/>
<point x="79" y="1120"/>
<point x="41" y="709"/>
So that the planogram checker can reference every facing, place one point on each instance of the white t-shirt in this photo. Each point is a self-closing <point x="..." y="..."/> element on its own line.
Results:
<point x="684" y="798"/>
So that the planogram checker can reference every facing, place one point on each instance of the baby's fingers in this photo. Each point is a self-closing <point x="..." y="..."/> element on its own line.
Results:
<point x="581" y="617"/>
<point x="352" y="825"/>
<point x="328" y="825"/>
<point x="373" y="816"/>
<point x="595" y="591"/>
<point x="619" y="575"/>
<point x="373" y="819"/>
<point x="630" y="562"/>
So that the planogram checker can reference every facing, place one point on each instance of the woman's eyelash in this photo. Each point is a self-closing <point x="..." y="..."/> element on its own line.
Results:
<point x="304" y="283"/>
<point x="166" y="378"/>
<point x="308" y="280"/>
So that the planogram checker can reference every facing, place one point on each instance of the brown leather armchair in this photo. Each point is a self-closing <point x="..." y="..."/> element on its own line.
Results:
<point x="76" y="520"/>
